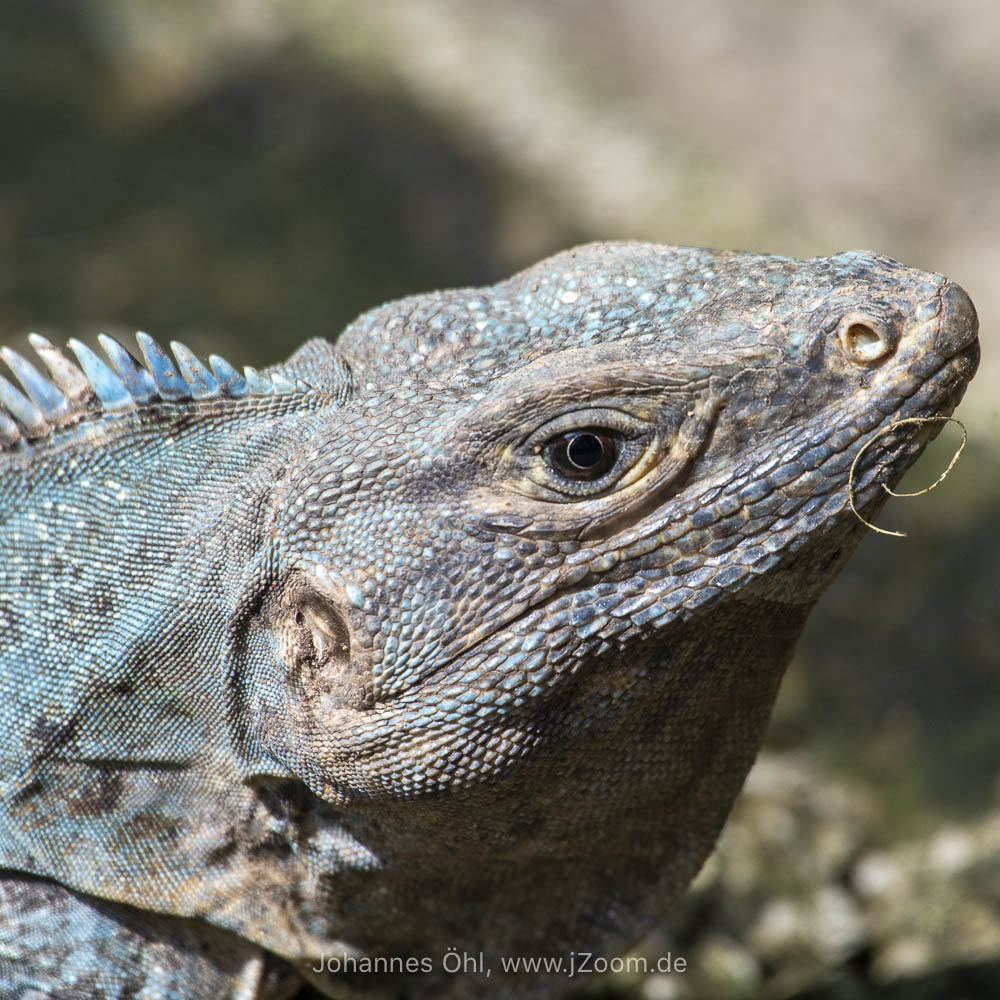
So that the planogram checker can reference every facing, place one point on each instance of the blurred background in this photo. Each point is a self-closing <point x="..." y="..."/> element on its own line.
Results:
<point x="244" y="174"/>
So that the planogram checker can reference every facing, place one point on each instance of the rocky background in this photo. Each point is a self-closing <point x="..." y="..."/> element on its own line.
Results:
<point x="243" y="174"/>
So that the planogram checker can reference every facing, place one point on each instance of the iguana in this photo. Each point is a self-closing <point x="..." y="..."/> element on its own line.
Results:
<point x="447" y="645"/>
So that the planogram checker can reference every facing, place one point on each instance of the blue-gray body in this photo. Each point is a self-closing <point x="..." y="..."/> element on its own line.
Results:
<point x="349" y="659"/>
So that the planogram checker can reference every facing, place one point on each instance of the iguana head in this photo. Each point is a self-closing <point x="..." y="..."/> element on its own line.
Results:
<point x="537" y="481"/>
<point x="534" y="585"/>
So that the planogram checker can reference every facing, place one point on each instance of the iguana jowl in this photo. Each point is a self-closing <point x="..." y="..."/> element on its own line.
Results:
<point x="462" y="632"/>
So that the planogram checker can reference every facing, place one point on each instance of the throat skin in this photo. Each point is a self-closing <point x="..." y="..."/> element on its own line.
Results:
<point x="546" y="858"/>
<point x="670" y="751"/>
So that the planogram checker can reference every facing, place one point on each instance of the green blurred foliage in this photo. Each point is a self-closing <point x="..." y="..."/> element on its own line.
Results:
<point x="270" y="201"/>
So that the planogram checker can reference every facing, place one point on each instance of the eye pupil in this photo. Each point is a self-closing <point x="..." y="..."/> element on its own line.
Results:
<point x="585" y="451"/>
<point x="583" y="455"/>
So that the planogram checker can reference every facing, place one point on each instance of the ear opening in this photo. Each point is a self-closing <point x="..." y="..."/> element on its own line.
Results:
<point x="314" y="641"/>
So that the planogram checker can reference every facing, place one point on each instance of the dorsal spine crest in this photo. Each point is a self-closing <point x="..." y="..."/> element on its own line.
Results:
<point x="94" y="386"/>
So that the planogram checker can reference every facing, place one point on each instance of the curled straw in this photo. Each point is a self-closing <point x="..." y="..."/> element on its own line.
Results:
<point x="927" y="489"/>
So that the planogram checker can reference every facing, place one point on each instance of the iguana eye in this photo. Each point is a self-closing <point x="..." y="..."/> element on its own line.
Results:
<point x="583" y="455"/>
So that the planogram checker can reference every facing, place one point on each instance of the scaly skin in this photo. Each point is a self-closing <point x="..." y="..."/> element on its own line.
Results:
<point x="377" y="659"/>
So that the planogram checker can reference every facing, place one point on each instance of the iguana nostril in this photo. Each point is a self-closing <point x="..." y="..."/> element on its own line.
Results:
<point x="864" y="341"/>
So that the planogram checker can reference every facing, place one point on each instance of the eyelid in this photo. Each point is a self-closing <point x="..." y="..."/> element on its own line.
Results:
<point x="607" y="418"/>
